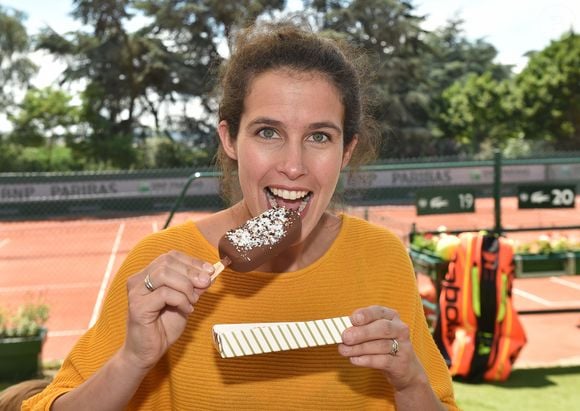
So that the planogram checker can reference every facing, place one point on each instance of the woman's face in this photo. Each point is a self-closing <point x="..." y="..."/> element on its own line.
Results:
<point x="289" y="147"/>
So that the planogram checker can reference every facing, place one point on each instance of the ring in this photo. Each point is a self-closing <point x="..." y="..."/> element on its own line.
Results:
<point x="394" y="348"/>
<point x="148" y="283"/>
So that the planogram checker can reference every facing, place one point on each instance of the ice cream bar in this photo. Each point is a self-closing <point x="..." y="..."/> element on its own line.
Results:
<point x="259" y="239"/>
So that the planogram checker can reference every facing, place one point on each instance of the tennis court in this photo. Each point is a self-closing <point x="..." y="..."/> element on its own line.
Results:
<point x="69" y="264"/>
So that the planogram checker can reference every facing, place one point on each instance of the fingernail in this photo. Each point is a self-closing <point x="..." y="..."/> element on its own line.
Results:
<point x="347" y="336"/>
<point x="358" y="318"/>
<point x="208" y="268"/>
<point x="204" y="278"/>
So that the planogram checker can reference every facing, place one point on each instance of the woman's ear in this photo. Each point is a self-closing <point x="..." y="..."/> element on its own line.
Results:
<point x="227" y="141"/>
<point x="348" y="150"/>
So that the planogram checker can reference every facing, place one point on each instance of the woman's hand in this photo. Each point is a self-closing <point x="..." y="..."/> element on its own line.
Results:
<point x="158" y="314"/>
<point x="379" y="339"/>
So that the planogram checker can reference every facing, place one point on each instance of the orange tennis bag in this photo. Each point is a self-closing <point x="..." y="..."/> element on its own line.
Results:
<point x="478" y="330"/>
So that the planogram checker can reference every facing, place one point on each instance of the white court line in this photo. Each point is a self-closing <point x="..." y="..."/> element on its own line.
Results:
<point x="66" y="333"/>
<point x="547" y="303"/>
<point x="532" y="297"/>
<point x="4" y="242"/>
<point x="26" y="288"/>
<point x="107" y="275"/>
<point x="565" y="283"/>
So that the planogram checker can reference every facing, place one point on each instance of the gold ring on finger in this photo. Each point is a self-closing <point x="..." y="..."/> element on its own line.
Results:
<point x="148" y="284"/>
<point x="394" y="348"/>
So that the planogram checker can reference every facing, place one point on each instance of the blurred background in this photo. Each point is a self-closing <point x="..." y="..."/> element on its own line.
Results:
<point x="117" y="85"/>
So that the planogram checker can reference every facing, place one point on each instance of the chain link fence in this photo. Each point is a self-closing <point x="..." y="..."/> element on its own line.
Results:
<point x="63" y="236"/>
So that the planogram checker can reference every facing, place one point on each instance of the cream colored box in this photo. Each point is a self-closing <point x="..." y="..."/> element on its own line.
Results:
<point x="235" y="340"/>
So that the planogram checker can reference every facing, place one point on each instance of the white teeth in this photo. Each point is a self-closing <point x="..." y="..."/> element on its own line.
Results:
<point x="287" y="194"/>
<point x="302" y="206"/>
<point x="272" y="201"/>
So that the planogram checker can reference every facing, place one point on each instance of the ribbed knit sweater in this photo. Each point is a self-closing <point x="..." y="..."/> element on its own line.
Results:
<point x="365" y="265"/>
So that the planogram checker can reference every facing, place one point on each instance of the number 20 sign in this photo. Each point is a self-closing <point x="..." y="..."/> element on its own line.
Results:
<point x="546" y="196"/>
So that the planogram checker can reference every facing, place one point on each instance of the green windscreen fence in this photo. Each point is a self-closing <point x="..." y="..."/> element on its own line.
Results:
<point x="42" y="195"/>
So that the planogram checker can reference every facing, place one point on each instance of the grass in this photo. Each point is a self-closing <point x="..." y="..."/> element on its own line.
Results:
<point x="554" y="389"/>
<point x="526" y="389"/>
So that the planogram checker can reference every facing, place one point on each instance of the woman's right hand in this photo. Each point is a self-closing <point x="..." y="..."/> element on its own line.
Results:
<point x="157" y="318"/>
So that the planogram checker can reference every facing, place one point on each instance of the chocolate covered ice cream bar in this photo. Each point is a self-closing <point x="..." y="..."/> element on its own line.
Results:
<point x="259" y="239"/>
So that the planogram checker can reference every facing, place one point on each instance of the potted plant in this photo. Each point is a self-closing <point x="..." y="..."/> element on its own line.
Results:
<point x="22" y="335"/>
<point x="549" y="253"/>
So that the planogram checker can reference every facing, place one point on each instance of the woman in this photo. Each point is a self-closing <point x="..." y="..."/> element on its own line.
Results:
<point x="291" y="119"/>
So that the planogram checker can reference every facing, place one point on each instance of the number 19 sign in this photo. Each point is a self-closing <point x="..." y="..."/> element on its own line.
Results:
<point x="445" y="201"/>
<point x="546" y="196"/>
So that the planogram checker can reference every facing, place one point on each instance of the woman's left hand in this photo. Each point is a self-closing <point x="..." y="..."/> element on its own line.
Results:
<point x="379" y="339"/>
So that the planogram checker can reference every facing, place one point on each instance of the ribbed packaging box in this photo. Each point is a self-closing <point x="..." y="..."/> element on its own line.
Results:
<point x="236" y="340"/>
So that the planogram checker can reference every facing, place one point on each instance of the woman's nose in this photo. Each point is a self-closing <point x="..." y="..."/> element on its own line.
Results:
<point x="292" y="162"/>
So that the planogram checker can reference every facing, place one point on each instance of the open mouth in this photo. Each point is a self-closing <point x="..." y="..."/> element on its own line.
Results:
<point x="293" y="199"/>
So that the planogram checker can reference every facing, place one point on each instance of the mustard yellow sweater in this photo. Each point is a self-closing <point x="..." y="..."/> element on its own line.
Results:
<point x="365" y="265"/>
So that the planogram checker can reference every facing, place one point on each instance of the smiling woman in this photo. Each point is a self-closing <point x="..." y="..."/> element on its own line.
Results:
<point x="291" y="132"/>
<point x="292" y="117"/>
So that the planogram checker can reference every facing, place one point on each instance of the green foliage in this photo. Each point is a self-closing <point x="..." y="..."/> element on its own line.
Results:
<point x="170" y="58"/>
<point x="45" y="159"/>
<point x="546" y="244"/>
<point x="43" y="125"/>
<point x="513" y="147"/>
<point x="25" y="322"/>
<point x="390" y="32"/>
<point x="175" y="155"/>
<point x="550" y="94"/>
<point x="45" y="117"/>
<point x="433" y="93"/>
<point x="479" y="109"/>
<point x="424" y="242"/>
<point x="162" y="152"/>
<point x="16" y="68"/>
<point x="453" y="57"/>
<point x="9" y="154"/>
<point x="452" y="62"/>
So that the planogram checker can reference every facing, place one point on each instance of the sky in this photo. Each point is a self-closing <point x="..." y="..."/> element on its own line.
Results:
<point x="514" y="27"/>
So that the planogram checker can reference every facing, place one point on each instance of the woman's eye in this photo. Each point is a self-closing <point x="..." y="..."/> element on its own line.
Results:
<point x="319" y="138"/>
<point x="267" y="133"/>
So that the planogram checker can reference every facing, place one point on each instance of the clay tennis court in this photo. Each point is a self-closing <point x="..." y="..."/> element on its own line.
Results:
<point x="69" y="265"/>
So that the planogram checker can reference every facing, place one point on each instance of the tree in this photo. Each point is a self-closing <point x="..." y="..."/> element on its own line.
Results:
<point x="550" y="94"/>
<point x="197" y="33"/>
<point x="45" y="117"/>
<point x="413" y="68"/>
<point x="479" y="109"/>
<point x="391" y="33"/>
<point x="452" y="57"/>
<point x="16" y="69"/>
<point x="44" y="134"/>
<point x="169" y="60"/>
<point x="463" y="79"/>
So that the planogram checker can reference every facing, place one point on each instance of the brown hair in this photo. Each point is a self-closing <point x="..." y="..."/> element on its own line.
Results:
<point x="12" y="397"/>
<point x="270" y="46"/>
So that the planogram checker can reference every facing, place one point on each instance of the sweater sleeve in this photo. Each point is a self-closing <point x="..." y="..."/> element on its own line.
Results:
<point x="99" y="343"/>
<point x="431" y="359"/>
<point x="388" y="247"/>
<point x="421" y="338"/>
